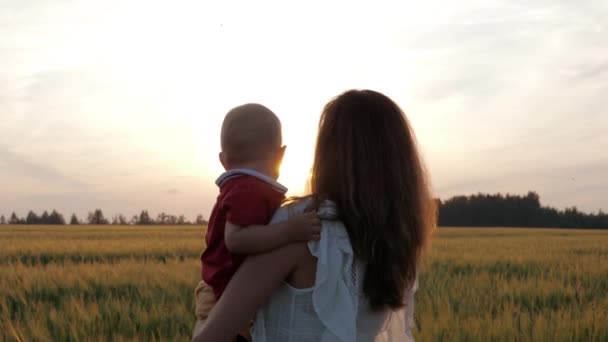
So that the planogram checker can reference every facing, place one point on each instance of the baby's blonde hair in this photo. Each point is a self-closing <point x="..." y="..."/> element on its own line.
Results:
<point x="250" y="132"/>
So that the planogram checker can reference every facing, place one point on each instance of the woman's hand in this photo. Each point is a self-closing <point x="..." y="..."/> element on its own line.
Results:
<point x="304" y="227"/>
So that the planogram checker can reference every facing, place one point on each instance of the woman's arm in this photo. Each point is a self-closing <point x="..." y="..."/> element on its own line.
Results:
<point x="250" y="287"/>
<point x="263" y="238"/>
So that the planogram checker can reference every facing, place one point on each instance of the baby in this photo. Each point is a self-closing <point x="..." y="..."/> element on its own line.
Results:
<point x="251" y="154"/>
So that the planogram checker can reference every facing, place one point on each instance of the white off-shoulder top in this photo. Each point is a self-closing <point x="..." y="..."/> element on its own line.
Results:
<point x="335" y="308"/>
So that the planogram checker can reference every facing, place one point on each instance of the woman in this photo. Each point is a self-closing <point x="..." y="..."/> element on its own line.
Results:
<point x="357" y="283"/>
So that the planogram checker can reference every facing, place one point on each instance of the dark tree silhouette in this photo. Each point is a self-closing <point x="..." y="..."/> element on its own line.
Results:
<point x="171" y="219"/>
<point x="181" y="220"/>
<point x="96" y="217"/>
<point x="144" y="218"/>
<point x="44" y="217"/>
<point x="200" y="220"/>
<point x="55" y="218"/>
<point x="163" y="218"/>
<point x="119" y="219"/>
<point x="479" y="210"/>
<point x="32" y="218"/>
<point x="482" y="210"/>
<point x="15" y="219"/>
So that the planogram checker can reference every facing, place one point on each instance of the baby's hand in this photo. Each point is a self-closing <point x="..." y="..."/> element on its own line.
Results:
<point x="304" y="227"/>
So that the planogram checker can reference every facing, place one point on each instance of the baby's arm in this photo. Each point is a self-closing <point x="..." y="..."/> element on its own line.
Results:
<point x="262" y="238"/>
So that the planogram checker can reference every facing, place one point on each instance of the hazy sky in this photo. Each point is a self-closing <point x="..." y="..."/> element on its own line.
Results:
<point x="117" y="104"/>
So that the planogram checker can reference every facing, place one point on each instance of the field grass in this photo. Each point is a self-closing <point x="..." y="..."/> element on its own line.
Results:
<point x="102" y="283"/>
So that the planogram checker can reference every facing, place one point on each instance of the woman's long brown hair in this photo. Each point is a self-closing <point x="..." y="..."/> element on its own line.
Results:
<point x="367" y="162"/>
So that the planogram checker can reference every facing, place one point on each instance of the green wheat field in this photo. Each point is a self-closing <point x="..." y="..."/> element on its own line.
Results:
<point x="121" y="283"/>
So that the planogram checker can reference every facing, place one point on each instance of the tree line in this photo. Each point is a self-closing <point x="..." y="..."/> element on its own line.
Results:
<point x="96" y="217"/>
<point x="483" y="210"/>
<point x="479" y="210"/>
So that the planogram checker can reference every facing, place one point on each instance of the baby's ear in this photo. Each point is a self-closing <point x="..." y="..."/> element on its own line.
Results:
<point x="222" y="159"/>
<point x="281" y="153"/>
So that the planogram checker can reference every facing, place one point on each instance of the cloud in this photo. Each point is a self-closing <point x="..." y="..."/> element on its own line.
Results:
<point x="66" y="202"/>
<point x="14" y="166"/>
<point x="512" y="48"/>
<point x="512" y="93"/>
<point x="589" y="71"/>
<point x="570" y="181"/>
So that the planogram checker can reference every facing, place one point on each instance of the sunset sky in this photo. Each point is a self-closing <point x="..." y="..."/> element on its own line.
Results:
<point x="118" y="104"/>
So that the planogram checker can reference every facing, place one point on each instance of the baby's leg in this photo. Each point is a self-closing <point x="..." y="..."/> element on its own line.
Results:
<point x="204" y="301"/>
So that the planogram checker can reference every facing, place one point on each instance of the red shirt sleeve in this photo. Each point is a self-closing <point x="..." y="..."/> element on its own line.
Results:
<point x="246" y="205"/>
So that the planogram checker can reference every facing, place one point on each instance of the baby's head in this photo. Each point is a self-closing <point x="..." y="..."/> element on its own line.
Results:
<point x="251" y="138"/>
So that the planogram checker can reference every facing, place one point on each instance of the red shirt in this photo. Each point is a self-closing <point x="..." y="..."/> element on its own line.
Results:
<point x="244" y="200"/>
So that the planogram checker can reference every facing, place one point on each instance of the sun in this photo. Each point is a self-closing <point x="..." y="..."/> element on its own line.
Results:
<point x="297" y="163"/>
<point x="295" y="172"/>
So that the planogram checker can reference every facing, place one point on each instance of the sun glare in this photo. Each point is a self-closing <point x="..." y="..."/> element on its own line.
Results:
<point x="295" y="173"/>
<point x="198" y="65"/>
